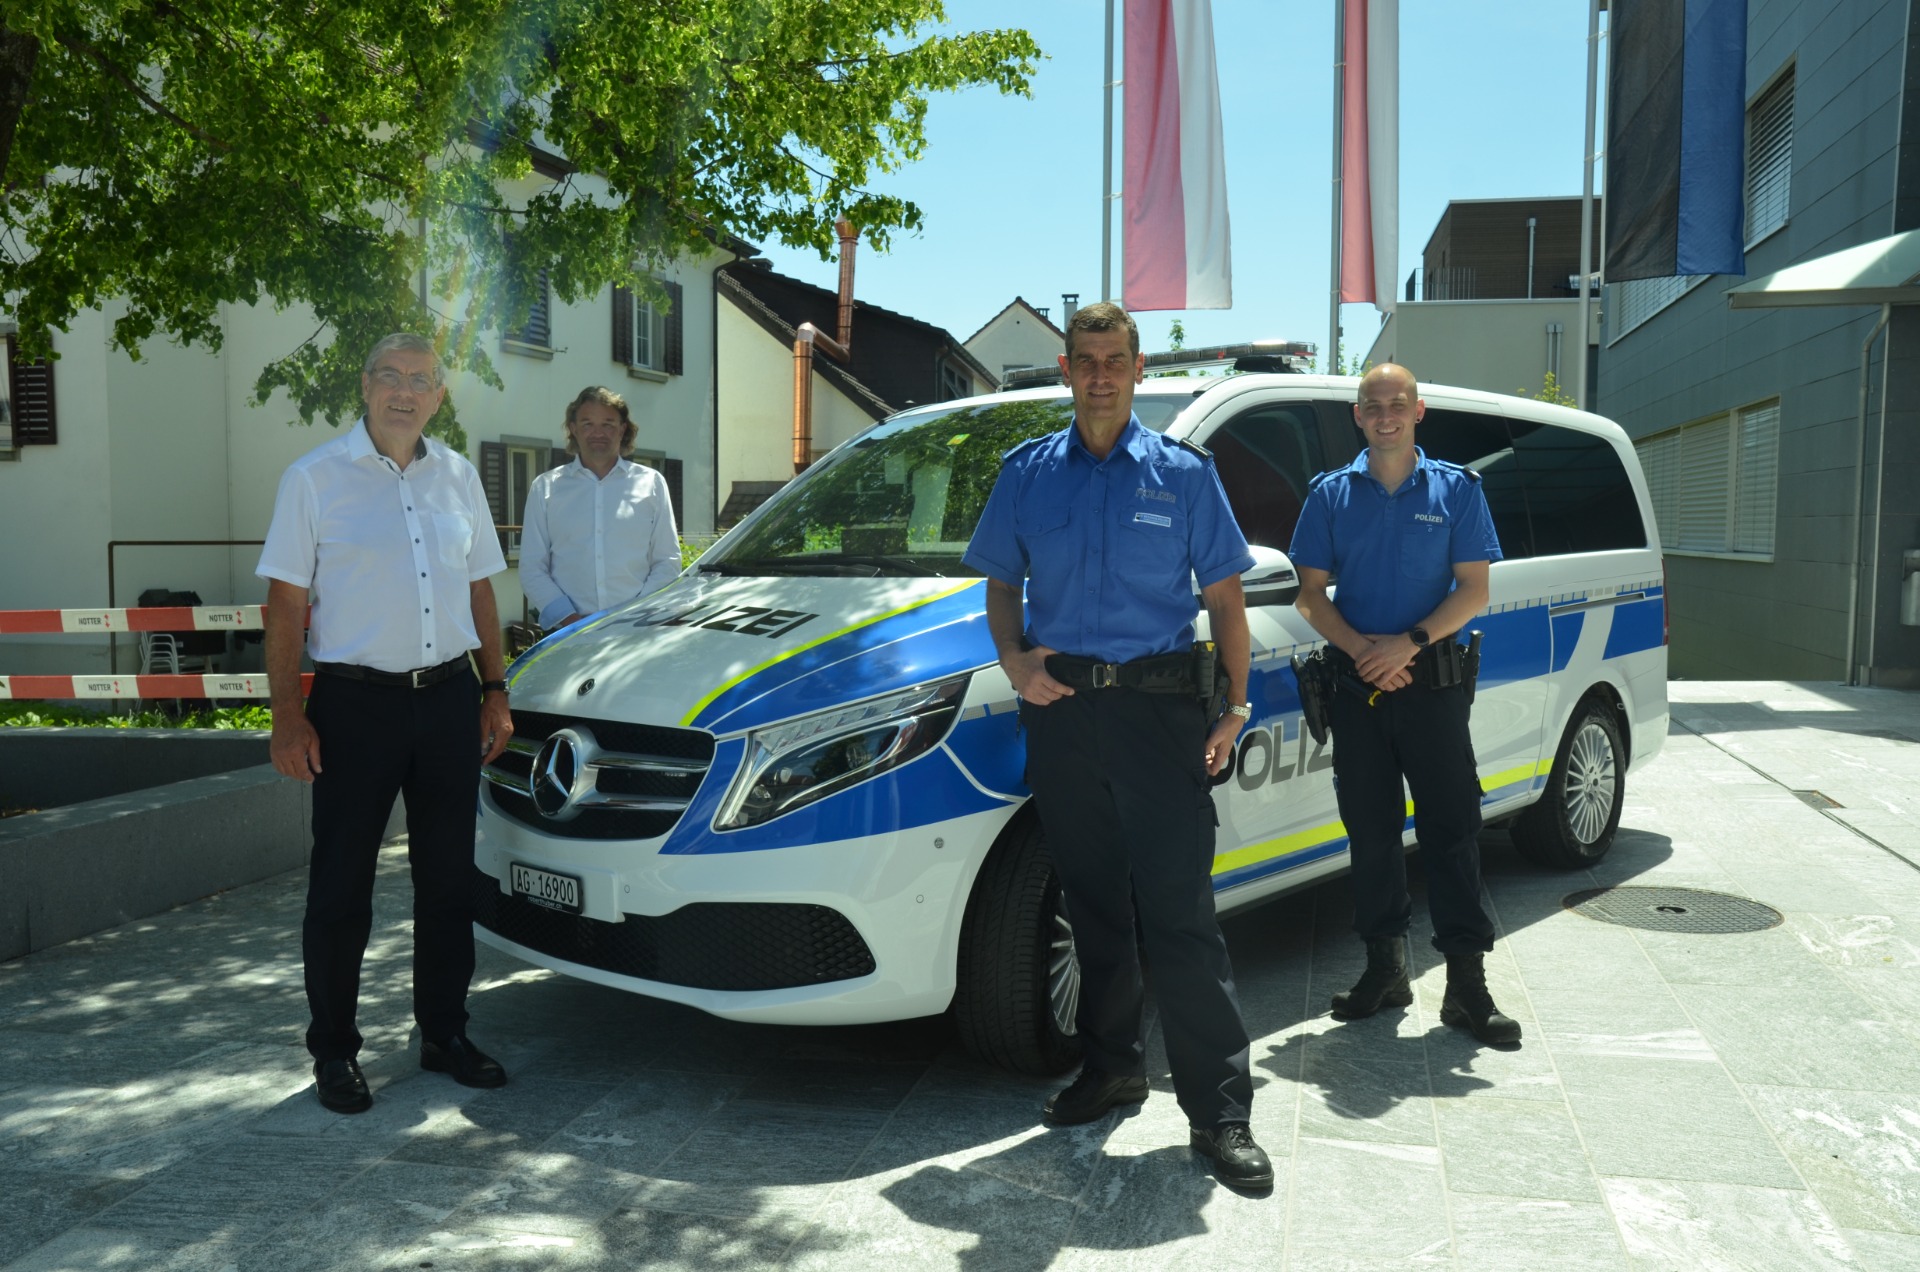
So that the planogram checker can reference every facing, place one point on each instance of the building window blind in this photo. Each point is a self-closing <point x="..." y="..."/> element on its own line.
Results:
<point x="1714" y="484"/>
<point x="1770" y="158"/>
<point x="1633" y="302"/>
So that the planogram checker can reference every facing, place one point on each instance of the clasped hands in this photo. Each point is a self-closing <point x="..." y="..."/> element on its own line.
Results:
<point x="1384" y="660"/>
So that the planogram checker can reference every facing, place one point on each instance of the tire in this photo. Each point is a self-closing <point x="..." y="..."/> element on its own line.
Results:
<point x="1018" y="982"/>
<point x="1573" y="823"/>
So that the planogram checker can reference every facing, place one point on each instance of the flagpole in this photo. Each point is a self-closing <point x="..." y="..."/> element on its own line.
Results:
<point x="1339" y="108"/>
<point x="1580" y="386"/>
<point x="1106" y="174"/>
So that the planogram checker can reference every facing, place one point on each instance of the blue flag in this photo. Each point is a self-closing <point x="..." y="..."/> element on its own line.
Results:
<point x="1676" y="138"/>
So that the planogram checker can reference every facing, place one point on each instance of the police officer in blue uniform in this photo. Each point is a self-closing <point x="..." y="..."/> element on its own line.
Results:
<point x="1107" y="524"/>
<point x="1411" y="542"/>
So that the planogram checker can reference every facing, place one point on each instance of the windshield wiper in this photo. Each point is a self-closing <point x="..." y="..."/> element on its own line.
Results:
<point x="885" y="564"/>
<point x="827" y="563"/>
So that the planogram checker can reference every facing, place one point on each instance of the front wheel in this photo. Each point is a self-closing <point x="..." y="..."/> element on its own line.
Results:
<point x="1019" y="984"/>
<point x="1573" y="824"/>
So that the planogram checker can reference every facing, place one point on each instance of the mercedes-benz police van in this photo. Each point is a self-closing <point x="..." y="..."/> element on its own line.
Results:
<point x="788" y="787"/>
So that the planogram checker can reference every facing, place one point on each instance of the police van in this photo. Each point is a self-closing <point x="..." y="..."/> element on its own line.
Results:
<point x="788" y="787"/>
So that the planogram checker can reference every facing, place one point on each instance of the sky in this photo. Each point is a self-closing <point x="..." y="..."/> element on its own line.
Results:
<point x="1492" y="105"/>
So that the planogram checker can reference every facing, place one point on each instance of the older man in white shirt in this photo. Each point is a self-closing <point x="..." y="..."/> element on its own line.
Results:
<point x="388" y="536"/>
<point x="599" y="531"/>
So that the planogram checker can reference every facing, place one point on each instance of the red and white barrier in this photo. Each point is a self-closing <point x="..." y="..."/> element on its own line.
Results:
<point x="243" y="685"/>
<point x="163" y="618"/>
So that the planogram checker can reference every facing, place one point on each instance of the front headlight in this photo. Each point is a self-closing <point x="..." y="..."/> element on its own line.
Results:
<point x="796" y="762"/>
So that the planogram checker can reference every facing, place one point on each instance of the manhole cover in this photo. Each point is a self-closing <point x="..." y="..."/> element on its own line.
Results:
<point x="1673" y="909"/>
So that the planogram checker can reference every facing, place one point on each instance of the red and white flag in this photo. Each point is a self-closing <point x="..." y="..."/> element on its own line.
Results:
<point x="1175" y="242"/>
<point x="1370" y="153"/>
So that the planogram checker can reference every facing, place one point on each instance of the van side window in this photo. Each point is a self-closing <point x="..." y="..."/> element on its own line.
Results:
<point x="1482" y="443"/>
<point x="1577" y="490"/>
<point x="1266" y="456"/>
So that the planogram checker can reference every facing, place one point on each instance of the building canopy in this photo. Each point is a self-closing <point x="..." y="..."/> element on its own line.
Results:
<point x="1878" y="273"/>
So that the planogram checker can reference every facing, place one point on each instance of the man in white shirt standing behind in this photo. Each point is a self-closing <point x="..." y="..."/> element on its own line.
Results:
<point x="599" y="531"/>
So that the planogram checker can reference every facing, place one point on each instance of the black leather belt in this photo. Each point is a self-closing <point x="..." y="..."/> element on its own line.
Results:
<point x="1162" y="673"/>
<point x="418" y="678"/>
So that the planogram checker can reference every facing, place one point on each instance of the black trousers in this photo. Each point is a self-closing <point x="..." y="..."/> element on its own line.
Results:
<point x="1120" y="780"/>
<point x="1422" y="734"/>
<point x="377" y="741"/>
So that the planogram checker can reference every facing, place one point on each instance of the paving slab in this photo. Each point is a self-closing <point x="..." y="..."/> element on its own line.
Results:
<point x="1679" y="1101"/>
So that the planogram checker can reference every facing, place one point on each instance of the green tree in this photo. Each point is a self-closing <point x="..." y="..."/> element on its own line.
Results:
<point x="188" y="156"/>
<point x="1550" y="391"/>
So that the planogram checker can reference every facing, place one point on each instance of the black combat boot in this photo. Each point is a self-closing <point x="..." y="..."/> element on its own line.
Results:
<point x="1383" y="984"/>
<point x="1468" y="1002"/>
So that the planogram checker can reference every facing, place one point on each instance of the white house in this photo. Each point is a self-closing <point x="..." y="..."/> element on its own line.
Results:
<point x="1017" y="337"/>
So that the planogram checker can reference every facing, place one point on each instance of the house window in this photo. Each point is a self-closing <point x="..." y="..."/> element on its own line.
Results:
<point x="954" y="383"/>
<point x="1638" y="299"/>
<point x="1770" y="158"/>
<point x="644" y="338"/>
<point x="27" y="417"/>
<point x="507" y="470"/>
<point x="1715" y="483"/>
<point x="537" y="330"/>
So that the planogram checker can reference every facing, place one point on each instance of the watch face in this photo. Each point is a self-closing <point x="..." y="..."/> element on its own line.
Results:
<point x="1419" y="635"/>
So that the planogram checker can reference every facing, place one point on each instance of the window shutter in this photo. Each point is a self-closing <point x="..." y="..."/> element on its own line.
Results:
<point x="622" y="326"/>
<point x="493" y="479"/>
<point x="1770" y="158"/>
<point x="1757" y="479"/>
<point x="676" y="332"/>
<point x="34" y="423"/>
<point x="670" y="469"/>
<point x="1705" y="457"/>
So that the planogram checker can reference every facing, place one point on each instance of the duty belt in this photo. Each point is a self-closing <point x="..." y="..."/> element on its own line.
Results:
<point x="1162" y="673"/>
<point x="418" y="678"/>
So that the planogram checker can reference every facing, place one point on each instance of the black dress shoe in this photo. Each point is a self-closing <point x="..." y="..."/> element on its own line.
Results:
<point x="466" y="1063"/>
<point x="1237" y="1160"/>
<point x="341" y="1086"/>
<point x="1090" y="1095"/>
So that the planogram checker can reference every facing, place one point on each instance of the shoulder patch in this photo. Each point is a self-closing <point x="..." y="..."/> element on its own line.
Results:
<point x="1447" y="465"/>
<point x="1029" y="444"/>
<point x="1194" y="447"/>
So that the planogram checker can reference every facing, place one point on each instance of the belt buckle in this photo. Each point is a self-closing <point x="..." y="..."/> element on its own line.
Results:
<point x="414" y="675"/>
<point x="1105" y="675"/>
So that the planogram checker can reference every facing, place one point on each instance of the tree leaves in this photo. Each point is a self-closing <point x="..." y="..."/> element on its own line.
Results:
<point x="185" y="157"/>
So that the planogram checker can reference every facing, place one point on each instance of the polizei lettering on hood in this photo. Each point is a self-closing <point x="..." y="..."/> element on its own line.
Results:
<point x="744" y="620"/>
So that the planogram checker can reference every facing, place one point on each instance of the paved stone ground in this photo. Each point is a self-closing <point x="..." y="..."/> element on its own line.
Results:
<point x="1680" y="1102"/>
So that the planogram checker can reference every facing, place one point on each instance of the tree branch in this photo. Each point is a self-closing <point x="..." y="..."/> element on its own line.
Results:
<point x="111" y="68"/>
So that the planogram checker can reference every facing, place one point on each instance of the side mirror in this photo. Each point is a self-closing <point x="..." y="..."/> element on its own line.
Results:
<point x="1271" y="579"/>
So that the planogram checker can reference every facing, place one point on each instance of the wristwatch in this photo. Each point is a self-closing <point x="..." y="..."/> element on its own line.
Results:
<point x="488" y="686"/>
<point x="1242" y="709"/>
<point x="1419" y="637"/>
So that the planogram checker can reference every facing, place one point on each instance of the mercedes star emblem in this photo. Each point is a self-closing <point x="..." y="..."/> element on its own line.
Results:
<point x="559" y="775"/>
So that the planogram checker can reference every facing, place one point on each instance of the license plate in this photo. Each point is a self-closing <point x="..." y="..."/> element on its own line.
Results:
<point x="544" y="887"/>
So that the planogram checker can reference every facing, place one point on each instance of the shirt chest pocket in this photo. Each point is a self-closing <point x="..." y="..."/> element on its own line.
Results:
<point x="1423" y="552"/>
<point x="1047" y="538"/>
<point x="452" y="539"/>
<point x="1153" y="537"/>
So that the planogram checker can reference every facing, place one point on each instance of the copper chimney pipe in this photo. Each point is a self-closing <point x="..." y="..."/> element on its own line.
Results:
<point x="807" y="337"/>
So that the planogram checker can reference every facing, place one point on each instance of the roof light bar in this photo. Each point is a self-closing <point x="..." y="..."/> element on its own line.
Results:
<point x="1294" y="356"/>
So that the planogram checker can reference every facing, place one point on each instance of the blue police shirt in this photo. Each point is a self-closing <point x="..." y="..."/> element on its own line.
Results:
<point x="1393" y="552"/>
<point x="1108" y="547"/>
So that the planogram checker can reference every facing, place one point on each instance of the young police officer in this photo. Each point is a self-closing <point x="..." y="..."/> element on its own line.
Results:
<point x="1107" y="524"/>
<point x="1411" y="542"/>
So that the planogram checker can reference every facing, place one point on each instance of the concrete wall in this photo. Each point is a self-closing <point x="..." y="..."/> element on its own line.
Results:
<point x="51" y="768"/>
<point x="1786" y="618"/>
<point x="755" y="404"/>
<point x="1499" y="346"/>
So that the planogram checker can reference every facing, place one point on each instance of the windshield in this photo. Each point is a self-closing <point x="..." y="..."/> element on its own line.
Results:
<point x="902" y="498"/>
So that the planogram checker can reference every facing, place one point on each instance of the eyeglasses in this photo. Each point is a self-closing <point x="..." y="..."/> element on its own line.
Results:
<point x="388" y="378"/>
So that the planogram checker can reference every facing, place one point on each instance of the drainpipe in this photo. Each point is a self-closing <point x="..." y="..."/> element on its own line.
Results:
<point x="1532" y="222"/>
<point x="840" y="350"/>
<point x="1859" y="485"/>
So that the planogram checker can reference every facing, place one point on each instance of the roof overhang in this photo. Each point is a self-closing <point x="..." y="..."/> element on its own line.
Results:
<point x="1882" y="272"/>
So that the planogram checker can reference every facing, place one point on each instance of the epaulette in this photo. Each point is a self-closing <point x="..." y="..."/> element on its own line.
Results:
<point x="1026" y="445"/>
<point x="1193" y="446"/>
<point x="1469" y="473"/>
<point x="1321" y="478"/>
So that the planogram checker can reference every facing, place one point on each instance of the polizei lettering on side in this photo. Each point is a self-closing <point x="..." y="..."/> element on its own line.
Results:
<point x="742" y="620"/>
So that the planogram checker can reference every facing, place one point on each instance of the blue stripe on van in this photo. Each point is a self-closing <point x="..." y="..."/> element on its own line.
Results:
<point x="1636" y="626"/>
<point x="1566" y="635"/>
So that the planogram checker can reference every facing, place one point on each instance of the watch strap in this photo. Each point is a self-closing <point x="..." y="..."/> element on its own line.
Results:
<point x="489" y="686"/>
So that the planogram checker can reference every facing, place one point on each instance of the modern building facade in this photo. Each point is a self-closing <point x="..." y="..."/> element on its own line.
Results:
<point x="1749" y="422"/>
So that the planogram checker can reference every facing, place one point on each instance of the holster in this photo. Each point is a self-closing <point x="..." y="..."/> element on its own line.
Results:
<point x="1206" y="678"/>
<point x="1314" y="678"/>
<point x="1447" y="663"/>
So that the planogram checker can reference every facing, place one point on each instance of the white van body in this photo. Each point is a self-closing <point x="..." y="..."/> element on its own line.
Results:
<point x="788" y="787"/>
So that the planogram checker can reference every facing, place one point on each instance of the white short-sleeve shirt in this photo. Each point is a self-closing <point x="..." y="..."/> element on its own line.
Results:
<point x="590" y="543"/>
<point x="387" y="554"/>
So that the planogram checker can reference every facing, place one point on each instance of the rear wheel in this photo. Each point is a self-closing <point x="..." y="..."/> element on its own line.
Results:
<point x="1573" y="824"/>
<point x="1019" y="984"/>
